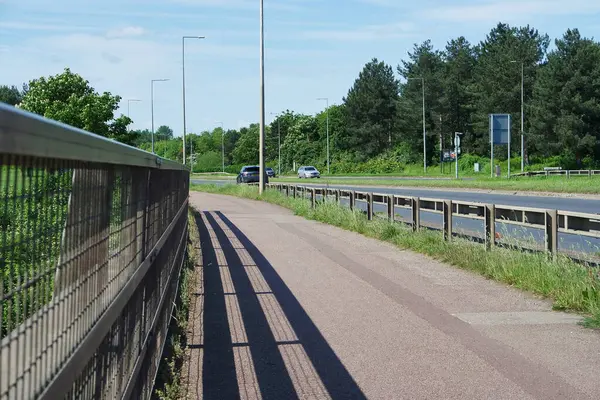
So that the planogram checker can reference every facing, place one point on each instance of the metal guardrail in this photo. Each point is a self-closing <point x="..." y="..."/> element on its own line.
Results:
<point x="92" y="240"/>
<point x="560" y="172"/>
<point x="552" y="222"/>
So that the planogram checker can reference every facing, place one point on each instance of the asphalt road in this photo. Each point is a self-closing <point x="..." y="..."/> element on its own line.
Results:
<point x="526" y="237"/>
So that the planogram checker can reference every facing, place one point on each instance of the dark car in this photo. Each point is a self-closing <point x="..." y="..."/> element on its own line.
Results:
<point x="270" y="172"/>
<point x="250" y="174"/>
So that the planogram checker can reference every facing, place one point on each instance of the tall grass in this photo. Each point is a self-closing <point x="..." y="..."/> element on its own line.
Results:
<point x="571" y="286"/>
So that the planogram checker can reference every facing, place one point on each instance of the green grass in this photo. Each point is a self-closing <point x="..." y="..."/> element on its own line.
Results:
<point x="571" y="286"/>
<point x="555" y="184"/>
<point x="169" y="385"/>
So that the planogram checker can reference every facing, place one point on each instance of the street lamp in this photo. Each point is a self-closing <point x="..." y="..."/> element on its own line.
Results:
<point x="327" y="112"/>
<point x="128" y="102"/>
<point x="152" y="105"/>
<point x="522" y="114"/>
<point x="261" y="136"/>
<point x="222" y="144"/>
<point x="424" y="137"/>
<point x="183" y="82"/>
<point x="279" y="143"/>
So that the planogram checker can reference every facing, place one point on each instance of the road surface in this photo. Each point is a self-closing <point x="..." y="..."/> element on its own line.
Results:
<point x="293" y="309"/>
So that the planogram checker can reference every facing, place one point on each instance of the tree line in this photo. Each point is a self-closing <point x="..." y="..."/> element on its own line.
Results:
<point x="378" y="127"/>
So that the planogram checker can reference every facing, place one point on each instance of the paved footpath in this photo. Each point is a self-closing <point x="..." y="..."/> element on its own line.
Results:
<point x="293" y="309"/>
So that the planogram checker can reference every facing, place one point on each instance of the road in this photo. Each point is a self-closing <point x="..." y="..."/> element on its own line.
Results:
<point x="294" y="309"/>
<point x="527" y="237"/>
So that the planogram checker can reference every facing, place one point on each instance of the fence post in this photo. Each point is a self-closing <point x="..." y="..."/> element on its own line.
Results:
<point x="337" y="196"/>
<point x="391" y="209"/>
<point x="416" y="213"/>
<point x="313" y="197"/>
<point x="490" y="226"/>
<point x="287" y="190"/>
<point x="447" y="220"/>
<point x="370" y="206"/>
<point x="552" y="232"/>
<point x="352" y="197"/>
<point x="589" y="172"/>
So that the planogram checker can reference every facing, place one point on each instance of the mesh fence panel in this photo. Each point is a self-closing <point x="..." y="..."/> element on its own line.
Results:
<point x="90" y="254"/>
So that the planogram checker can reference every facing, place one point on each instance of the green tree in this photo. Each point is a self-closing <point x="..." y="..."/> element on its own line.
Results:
<point x="497" y="76"/>
<point x="565" y="112"/>
<point x="246" y="148"/>
<point x="70" y="99"/>
<point x="163" y="133"/>
<point x="370" y="111"/>
<point x="10" y="95"/>
<point x="302" y="144"/>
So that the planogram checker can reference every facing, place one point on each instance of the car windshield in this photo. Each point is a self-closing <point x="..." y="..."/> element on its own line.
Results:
<point x="310" y="168"/>
<point x="269" y="169"/>
<point x="251" y="169"/>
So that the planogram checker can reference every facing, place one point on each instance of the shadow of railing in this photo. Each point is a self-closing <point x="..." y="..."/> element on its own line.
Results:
<point x="288" y="354"/>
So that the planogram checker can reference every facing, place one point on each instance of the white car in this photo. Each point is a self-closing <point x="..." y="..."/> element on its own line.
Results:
<point x="308" y="172"/>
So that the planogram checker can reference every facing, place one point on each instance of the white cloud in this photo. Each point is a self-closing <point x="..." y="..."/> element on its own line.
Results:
<point x="493" y="11"/>
<point x="369" y="32"/>
<point x="127" y="31"/>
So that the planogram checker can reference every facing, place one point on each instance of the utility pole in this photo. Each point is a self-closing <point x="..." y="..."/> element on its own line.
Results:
<point x="522" y="118"/>
<point x="183" y="82"/>
<point x="152" y="106"/>
<point x="327" y="113"/>
<point x="441" y="148"/>
<point x="261" y="137"/>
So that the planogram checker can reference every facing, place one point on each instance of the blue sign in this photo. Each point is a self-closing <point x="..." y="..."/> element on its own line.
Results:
<point x="500" y="128"/>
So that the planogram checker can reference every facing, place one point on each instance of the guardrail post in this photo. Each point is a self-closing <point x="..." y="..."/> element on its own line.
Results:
<point x="490" y="226"/>
<point x="391" y="210"/>
<point x="447" y="220"/>
<point x="287" y="190"/>
<point x="352" y="198"/>
<point x="589" y="173"/>
<point x="294" y="188"/>
<point x="337" y="196"/>
<point x="370" y="206"/>
<point x="568" y="173"/>
<point x="313" y="197"/>
<point x="416" y="213"/>
<point x="552" y="232"/>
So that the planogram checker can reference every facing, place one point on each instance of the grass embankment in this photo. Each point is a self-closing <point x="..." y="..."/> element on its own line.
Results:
<point x="571" y="286"/>
<point x="554" y="184"/>
<point x="169" y="385"/>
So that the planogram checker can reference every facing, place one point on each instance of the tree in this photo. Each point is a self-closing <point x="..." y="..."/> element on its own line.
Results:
<point x="301" y="144"/>
<point x="10" y="95"/>
<point x="497" y="76"/>
<point x="565" y="113"/>
<point x="246" y="148"/>
<point x="69" y="98"/>
<point x="370" y="111"/>
<point x="163" y="133"/>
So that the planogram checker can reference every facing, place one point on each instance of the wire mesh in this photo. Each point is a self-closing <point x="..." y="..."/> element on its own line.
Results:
<point x="88" y="253"/>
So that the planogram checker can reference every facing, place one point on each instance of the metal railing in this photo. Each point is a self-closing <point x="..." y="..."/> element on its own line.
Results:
<point x="92" y="240"/>
<point x="560" y="172"/>
<point x="411" y="210"/>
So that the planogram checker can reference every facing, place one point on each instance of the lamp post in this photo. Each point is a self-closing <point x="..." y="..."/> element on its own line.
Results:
<point x="222" y="145"/>
<point x="327" y="113"/>
<point x="261" y="137"/>
<point x="522" y="114"/>
<point x="424" y="136"/>
<point x="152" y="106"/>
<point x="183" y="82"/>
<point x="129" y="102"/>
<point x="278" y="144"/>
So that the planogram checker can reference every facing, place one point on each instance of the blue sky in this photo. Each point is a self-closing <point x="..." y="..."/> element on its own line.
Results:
<point x="313" y="48"/>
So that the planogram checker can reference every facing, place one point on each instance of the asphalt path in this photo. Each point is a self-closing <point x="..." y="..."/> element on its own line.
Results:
<point x="526" y="237"/>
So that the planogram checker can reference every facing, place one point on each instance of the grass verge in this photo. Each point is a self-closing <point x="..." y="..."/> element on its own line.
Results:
<point x="169" y="385"/>
<point x="554" y="184"/>
<point x="571" y="286"/>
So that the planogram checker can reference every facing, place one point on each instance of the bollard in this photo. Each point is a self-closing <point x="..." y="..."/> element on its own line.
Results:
<point x="490" y="226"/>
<point x="416" y="213"/>
<point x="391" y="208"/>
<point x="447" y="228"/>
<point x="370" y="206"/>
<point x="552" y="232"/>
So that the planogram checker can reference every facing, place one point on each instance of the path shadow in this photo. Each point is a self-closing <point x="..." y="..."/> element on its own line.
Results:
<point x="270" y="356"/>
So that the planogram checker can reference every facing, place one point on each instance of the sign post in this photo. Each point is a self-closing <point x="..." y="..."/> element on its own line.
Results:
<point x="499" y="134"/>
<point x="457" y="136"/>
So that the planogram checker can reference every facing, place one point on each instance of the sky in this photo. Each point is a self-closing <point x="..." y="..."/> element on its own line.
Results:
<point x="313" y="48"/>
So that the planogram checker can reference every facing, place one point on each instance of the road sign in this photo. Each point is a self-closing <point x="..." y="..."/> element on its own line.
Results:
<point x="499" y="134"/>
